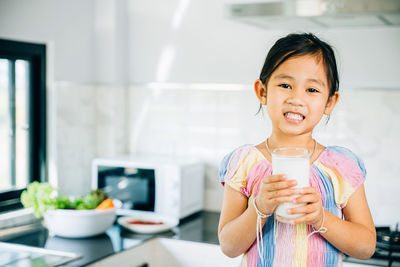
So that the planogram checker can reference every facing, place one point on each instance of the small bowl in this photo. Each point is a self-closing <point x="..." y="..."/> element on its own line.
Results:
<point x="79" y="223"/>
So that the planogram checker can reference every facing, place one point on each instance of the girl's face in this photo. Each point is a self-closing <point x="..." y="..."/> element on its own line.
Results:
<point x="297" y="95"/>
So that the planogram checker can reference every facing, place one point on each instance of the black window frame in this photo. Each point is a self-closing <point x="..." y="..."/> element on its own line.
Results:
<point x="35" y="53"/>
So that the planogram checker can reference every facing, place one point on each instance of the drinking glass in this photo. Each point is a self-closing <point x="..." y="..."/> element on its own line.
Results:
<point x="295" y="163"/>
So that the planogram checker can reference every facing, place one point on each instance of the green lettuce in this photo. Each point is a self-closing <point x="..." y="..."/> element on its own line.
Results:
<point x="43" y="196"/>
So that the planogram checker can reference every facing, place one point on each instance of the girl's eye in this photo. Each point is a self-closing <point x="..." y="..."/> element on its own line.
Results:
<point x="312" y="90"/>
<point x="285" y="85"/>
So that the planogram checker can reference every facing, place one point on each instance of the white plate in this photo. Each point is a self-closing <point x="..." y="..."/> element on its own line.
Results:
<point x="167" y="223"/>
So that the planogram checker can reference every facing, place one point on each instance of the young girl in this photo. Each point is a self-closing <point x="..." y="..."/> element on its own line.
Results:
<point x="298" y="85"/>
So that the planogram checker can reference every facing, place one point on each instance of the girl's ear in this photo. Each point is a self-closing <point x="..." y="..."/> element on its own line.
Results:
<point x="261" y="91"/>
<point x="331" y="103"/>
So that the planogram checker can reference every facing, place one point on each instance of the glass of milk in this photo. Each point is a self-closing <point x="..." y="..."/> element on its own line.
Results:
<point x="295" y="163"/>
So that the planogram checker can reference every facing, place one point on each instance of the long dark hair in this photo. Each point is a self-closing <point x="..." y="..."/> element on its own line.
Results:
<point x="296" y="44"/>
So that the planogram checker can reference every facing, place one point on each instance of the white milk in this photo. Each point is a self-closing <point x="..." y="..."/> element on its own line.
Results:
<point x="295" y="163"/>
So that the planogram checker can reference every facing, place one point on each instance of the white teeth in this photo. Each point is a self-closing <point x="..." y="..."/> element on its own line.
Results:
<point x="294" y="116"/>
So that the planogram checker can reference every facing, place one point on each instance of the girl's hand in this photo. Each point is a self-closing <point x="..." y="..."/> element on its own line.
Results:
<point x="312" y="209"/>
<point x="274" y="190"/>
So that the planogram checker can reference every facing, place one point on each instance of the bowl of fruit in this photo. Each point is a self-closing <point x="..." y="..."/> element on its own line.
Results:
<point x="73" y="217"/>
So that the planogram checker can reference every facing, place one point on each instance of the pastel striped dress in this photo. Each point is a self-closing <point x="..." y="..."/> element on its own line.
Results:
<point x="336" y="174"/>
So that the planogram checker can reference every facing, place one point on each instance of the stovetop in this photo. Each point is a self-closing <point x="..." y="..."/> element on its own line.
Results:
<point x="387" y="252"/>
<point x="380" y="258"/>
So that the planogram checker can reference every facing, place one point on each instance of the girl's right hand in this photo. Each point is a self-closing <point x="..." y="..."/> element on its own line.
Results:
<point x="274" y="190"/>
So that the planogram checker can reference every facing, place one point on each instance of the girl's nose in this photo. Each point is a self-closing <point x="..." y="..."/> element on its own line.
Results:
<point x="295" y="98"/>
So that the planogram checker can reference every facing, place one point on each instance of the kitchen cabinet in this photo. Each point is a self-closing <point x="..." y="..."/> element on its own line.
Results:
<point x="349" y="264"/>
<point x="179" y="253"/>
<point x="170" y="252"/>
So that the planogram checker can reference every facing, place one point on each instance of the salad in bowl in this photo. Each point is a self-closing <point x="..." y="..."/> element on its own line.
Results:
<point x="89" y="215"/>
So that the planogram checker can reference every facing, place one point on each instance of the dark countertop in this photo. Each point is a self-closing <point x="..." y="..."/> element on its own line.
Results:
<point x="200" y="227"/>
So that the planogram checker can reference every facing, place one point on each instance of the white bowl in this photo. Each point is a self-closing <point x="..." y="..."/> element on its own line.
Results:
<point x="167" y="223"/>
<point x="79" y="223"/>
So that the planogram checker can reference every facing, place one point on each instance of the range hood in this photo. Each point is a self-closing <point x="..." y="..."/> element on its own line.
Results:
<point x="316" y="13"/>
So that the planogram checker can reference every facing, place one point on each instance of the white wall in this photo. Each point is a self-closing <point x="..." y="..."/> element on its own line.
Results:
<point x="126" y="44"/>
<point x="67" y="24"/>
<point x="145" y="41"/>
<point x="207" y="47"/>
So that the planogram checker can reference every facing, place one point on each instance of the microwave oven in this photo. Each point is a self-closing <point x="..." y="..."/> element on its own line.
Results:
<point x="164" y="185"/>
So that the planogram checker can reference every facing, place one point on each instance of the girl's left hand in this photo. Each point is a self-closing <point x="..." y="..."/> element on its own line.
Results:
<point x="312" y="210"/>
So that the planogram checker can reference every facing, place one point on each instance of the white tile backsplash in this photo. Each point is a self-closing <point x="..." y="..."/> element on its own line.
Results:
<point x="202" y="123"/>
<point x="111" y="122"/>
<point x="75" y="140"/>
<point x="367" y="123"/>
<point x="105" y="120"/>
<point x="219" y="120"/>
<point x="90" y="122"/>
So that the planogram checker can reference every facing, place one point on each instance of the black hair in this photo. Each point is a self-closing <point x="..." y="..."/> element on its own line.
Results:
<point x="298" y="44"/>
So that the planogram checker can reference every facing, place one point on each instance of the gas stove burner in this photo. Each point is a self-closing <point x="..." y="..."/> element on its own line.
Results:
<point x="385" y="238"/>
<point x="387" y="244"/>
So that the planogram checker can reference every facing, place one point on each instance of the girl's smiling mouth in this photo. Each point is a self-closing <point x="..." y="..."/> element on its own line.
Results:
<point x="294" y="117"/>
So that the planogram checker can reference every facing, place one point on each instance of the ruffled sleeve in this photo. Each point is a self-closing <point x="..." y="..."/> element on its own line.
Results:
<point x="236" y="166"/>
<point x="345" y="170"/>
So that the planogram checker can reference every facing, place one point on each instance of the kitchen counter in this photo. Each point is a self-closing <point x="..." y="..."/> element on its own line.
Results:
<point x="200" y="227"/>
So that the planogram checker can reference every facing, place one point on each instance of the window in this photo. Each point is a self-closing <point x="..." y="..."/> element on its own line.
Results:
<point x="22" y="119"/>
